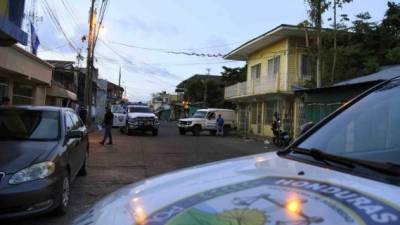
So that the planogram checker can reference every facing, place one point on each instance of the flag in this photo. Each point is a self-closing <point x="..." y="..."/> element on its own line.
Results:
<point x="35" y="42"/>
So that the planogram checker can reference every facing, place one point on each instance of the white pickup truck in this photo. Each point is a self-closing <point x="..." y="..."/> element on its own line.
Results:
<point x="140" y="118"/>
<point x="206" y="120"/>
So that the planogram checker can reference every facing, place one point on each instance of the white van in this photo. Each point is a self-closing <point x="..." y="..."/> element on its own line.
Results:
<point x="206" y="120"/>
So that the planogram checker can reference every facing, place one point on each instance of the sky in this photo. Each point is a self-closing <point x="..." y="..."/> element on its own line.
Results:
<point x="153" y="26"/>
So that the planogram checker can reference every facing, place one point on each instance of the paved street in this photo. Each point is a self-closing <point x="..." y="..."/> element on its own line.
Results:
<point x="133" y="158"/>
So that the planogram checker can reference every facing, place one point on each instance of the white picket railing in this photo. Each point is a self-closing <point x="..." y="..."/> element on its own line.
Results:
<point x="256" y="87"/>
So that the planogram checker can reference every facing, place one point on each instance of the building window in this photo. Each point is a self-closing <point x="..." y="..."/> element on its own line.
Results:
<point x="305" y="67"/>
<point x="274" y="67"/>
<point x="22" y="94"/>
<point x="269" y="110"/>
<point x="256" y="71"/>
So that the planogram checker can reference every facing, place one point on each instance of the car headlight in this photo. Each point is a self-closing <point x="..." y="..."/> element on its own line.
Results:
<point x="34" y="172"/>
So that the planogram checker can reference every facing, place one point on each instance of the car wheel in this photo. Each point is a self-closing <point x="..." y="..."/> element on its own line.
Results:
<point x="213" y="132"/>
<point x="155" y="132"/>
<point x="63" y="196"/>
<point x="84" y="168"/>
<point x="182" y="132"/>
<point x="196" y="131"/>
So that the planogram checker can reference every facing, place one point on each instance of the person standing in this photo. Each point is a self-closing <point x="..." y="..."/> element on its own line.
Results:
<point x="220" y="125"/>
<point x="107" y="123"/>
<point x="83" y="113"/>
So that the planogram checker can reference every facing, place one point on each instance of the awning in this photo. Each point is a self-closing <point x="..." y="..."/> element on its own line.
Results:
<point x="56" y="91"/>
<point x="17" y="60"/>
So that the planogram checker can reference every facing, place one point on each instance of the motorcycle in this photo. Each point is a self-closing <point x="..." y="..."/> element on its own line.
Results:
<point x="281" y="138"/>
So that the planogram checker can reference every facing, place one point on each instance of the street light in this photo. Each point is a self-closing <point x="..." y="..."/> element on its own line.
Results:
<point x="102" y="31"/>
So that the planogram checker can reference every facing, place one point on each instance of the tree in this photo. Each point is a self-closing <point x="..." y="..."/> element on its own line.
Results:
<point x="235" y="75"/>
<point x="336" y="4"/>
<point x="305" y="25"/>
<point x="391" y="21"/>
<point x="390" y="32"/>
<point x="316" y="9"/>
<point x="195" y="89"/>
<point x="361" y="48"/>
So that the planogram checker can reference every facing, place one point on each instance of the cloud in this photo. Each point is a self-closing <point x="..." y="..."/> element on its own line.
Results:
<point x="50" y="38"/>
<point x="136" y="25"/>
<point x="217" y="44"/>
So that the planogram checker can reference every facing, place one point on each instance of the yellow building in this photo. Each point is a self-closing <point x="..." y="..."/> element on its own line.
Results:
<point x="276" y="60"/>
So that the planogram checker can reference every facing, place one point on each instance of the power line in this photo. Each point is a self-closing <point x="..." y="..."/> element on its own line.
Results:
<point x="128" y="63"/>
<point x="127" y="60"/>
<point x="114" y="61"/>
<point x="47" y="49"/>
<point x="171" y="51"/>
<point x="164" y="49"/>
<point x="199" y="63"/>
<point x="116" y="52"/>
<point x="218" y="55"/>
<point x="57" y="24"/>
<point x="146" y="78"/>
<point x="103" y="10"/>
<point x="70" y="11"/>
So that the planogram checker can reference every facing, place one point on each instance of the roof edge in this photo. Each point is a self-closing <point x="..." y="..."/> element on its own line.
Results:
<point x="268" y="33"/>
<point x="32" y="56"/>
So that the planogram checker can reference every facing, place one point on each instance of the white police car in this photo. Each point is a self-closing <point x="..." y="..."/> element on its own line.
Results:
<point x="119" y="115"/>
<point x="344" y="170"/>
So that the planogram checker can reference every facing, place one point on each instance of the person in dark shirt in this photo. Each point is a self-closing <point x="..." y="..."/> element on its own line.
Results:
<point x="83" y="114"/>
<point x="220" y="125"/>
<point x="107" y="123"/>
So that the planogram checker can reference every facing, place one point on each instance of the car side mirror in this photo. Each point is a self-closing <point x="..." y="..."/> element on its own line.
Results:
<point x="74" y="134"/>
<point x="305" y="127"/>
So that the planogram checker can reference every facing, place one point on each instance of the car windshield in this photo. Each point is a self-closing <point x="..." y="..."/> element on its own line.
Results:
<point x="368" y="130"/>
<point x="33" y="125"/>
<point x="117" y="109"/>
<point x="199" y="114"/>
<point x="139" y="109"/>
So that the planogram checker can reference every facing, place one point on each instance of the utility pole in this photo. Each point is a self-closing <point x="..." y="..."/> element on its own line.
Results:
<point x="318" y="21"/>
<point x="89" y="65"/>
<point x="119" y="78"/>
<point x="205" y="88"/>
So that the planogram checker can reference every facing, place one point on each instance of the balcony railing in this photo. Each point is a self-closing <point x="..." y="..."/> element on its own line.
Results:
<point x="239" y="89"/>
<point x="254" y="87"/>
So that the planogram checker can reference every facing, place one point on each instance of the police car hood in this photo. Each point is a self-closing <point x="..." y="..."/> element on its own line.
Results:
<point x="137" y="114"/>
<point x="253" y="190"/>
